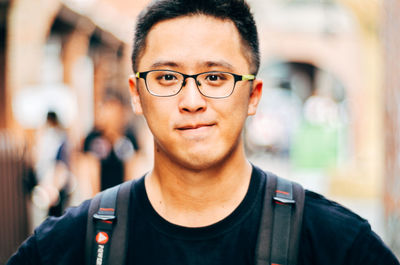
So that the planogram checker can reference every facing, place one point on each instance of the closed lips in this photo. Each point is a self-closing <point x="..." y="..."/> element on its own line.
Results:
<point x="195" y="126"/>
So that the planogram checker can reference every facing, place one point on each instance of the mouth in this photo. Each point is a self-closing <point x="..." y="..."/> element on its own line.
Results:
<point x="194" y="126"/>
<point x="196" y="131"/>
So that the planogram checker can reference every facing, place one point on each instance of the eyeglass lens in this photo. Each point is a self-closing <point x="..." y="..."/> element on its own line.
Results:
<point x="210" y="84"/>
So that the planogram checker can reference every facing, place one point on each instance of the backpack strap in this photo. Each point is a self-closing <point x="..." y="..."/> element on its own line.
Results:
<point x="281" y="222"/>
<point x="107" y="217"/>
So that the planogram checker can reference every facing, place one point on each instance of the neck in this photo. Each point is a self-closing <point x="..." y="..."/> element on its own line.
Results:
<point x="195" y="198"/>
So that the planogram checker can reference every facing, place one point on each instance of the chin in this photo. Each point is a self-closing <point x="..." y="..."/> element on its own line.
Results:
<point x="204" y="156"/>
<point x="199" y="166"/>
<point x="207" y="161"/>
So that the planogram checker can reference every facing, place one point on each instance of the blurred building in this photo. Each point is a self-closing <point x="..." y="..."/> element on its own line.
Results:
<point x="322" y="53"/>
<point x="330" y="50"/>
<point x="15" y="182"/>
<point x="61" y="55"/>
<point x="4" y="5"/>
<point x="58" y="55"/>
<point x="391" y="44"/>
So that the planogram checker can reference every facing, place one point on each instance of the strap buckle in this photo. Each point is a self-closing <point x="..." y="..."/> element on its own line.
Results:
<point x="103" y="217"/>
<point x="284" y="200"/>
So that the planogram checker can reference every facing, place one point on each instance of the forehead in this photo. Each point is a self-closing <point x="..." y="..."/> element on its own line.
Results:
<point x="192" y="41"/>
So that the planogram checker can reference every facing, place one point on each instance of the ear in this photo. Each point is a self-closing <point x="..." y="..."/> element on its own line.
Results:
<point x="255" y="97"/>
<point x="135" y="97"/>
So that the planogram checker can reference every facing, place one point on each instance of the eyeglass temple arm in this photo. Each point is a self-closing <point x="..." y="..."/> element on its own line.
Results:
<point x="248" y="77"/>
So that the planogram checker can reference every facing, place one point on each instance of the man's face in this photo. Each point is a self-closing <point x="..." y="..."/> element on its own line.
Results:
<point x="189" y="129"/>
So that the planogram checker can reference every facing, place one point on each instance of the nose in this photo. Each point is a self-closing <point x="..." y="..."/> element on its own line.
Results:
<point x="191" y="100"/>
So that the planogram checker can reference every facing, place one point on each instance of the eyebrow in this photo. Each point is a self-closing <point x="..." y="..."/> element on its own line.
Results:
<point x="222" y="63"/>
<point x="208" y="64"/>
<point x="164" y="63"/>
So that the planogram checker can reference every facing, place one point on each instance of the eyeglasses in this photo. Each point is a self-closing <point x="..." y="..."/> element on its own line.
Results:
<point x="168" y="83"/>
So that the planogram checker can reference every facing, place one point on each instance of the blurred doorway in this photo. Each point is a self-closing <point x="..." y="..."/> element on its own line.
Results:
<point x="3" y="34"/>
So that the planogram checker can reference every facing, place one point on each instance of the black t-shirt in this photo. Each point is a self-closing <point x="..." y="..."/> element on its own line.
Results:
<point x="230" y="241"/>
<point x="331" y="235"/>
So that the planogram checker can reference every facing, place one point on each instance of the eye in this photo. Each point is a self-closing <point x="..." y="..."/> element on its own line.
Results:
<point x="213" y="77"/>
<point x="216" y="77"/>
<point x="166" y="77"/>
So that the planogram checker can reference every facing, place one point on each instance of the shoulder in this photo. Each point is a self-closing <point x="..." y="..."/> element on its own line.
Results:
<point x="323" y="218"/>
<point x="58" y="240"/>
<point x="319" y="210"/>
<point x="63" y="238"/>
<point x="333" y="234"/>
<point x="323" y="215"/>
<point x="74" y="218"/>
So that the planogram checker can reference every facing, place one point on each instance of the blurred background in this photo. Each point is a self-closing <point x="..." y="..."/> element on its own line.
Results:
<point x="329" y="116"/>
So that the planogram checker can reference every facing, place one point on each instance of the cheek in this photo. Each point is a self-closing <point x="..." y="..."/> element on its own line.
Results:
<point x="240" y="105"/>
<point x="234" y="116"/>
<point x="157" y="114"/>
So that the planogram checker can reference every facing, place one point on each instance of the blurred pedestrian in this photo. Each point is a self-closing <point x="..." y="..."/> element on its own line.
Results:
<point x="109" y="147"/>
<point x="51" y="166"/>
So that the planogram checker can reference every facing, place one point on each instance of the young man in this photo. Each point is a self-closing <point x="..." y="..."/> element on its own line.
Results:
<point x="195" y="64"/>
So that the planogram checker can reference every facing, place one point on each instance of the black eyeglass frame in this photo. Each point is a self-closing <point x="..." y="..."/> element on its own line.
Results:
<point x="236" y="77"/>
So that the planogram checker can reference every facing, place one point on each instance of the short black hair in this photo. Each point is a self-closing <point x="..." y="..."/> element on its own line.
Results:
<point x="238" y="11"/>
